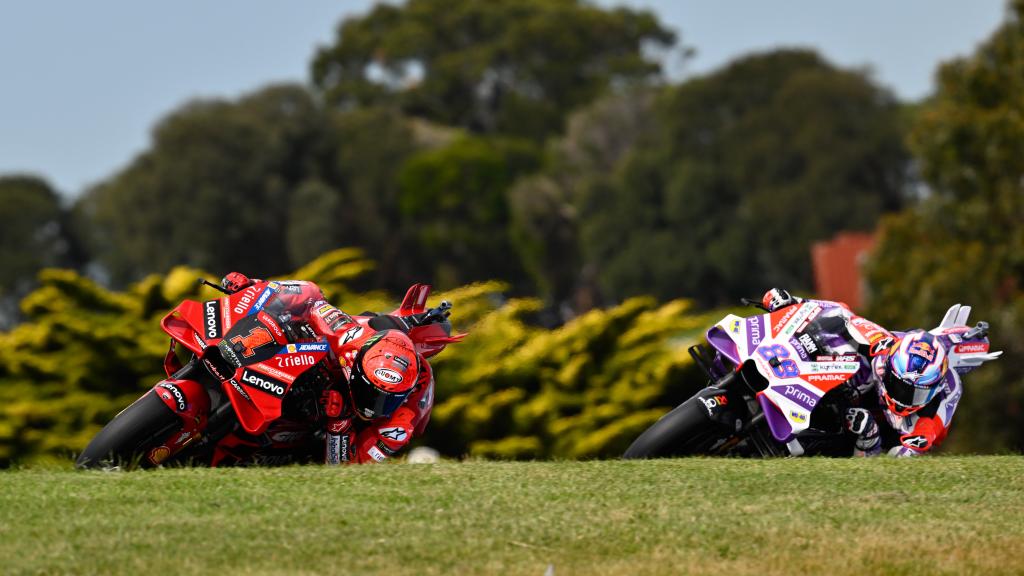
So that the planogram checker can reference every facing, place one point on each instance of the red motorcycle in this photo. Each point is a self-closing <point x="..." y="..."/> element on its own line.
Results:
<point x="252" y="392"/>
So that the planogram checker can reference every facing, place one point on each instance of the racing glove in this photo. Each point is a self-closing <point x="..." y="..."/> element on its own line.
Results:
<point x="235" y="281"/>
<point x="777" y="298"/>
<point x="860" y="422"/>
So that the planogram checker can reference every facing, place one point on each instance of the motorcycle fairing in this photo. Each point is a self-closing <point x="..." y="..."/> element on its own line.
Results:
<point x="796" y="380"/>
<point x="257" y="390"/>
<point x="429" y="339"/>
<point x="964" y="355"/>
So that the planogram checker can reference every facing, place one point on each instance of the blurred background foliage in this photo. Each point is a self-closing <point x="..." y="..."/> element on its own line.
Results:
<point x="530" y="159"/>
<point x="512" y="390"/>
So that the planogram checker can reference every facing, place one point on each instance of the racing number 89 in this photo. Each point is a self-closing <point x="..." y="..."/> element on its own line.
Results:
<point x="782" y="368"/>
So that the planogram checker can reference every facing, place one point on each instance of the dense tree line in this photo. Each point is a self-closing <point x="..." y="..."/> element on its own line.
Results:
<point x="964" y="242"/>
<point x="465" y="141"/>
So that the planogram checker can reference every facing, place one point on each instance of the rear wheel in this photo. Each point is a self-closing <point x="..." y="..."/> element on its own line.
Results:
<point x="127" y="439"/>
<point x="686" y="430"/>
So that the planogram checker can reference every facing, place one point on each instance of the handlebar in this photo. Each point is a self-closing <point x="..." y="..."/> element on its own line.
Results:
<point x="212" y="285"/>
<point x="978" y="332"/>
<point x="754" y="303"/>
<point x="438" y="314"/>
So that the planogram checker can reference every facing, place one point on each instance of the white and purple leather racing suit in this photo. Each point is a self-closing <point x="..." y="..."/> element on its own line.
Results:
<point x="909" y="435"/>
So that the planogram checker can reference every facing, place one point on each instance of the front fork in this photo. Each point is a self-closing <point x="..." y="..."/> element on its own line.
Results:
<point x="729" y="403"/>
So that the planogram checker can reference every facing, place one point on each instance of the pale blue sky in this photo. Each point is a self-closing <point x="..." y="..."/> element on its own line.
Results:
<point x="82" y="83"/>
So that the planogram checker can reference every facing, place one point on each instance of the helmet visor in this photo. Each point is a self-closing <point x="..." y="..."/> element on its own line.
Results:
<point x="905" y="394"/>
<point x="372" y="402"/>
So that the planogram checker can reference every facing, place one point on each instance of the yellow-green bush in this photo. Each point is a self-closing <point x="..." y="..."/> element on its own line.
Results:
<point x="510" y="390"/>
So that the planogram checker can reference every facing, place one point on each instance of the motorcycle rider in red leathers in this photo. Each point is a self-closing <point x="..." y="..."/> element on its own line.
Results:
<point x="905" y="377"/>
<point x="384" y="389"/>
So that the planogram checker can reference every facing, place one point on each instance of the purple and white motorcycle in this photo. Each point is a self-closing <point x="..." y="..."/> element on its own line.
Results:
<point x="780" y="383"/>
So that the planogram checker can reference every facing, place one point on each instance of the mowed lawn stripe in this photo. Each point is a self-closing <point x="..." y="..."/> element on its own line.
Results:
<point x="941" y="515"/>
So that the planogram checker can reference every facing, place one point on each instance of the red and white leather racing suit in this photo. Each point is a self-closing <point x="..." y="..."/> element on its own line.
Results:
<point x="349" y="437"/>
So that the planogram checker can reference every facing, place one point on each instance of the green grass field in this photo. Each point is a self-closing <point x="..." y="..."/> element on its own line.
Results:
<point x="943" y="515"/>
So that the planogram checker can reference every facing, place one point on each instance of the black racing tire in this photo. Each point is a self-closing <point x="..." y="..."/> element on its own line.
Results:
<point x="687" y="430"/>
<point x="125" y="440"/>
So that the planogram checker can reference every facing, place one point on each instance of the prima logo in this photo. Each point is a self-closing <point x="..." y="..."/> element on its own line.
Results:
<point x="211" y="319"/>
<point x="264" y="383"/>
<point x="801" y="396"/>
<point x="754" y="328"/>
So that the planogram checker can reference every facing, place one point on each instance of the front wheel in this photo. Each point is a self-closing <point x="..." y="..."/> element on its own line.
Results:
<point x="686" y="430"/>
<point x="127" y="439"/>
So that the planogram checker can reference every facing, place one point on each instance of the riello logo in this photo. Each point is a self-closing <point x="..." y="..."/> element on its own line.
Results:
<point x="291" y="361"/>
<point x="245" y="300"/>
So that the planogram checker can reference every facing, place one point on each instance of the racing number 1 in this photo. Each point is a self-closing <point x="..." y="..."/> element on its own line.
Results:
<point x="782" y="368"/>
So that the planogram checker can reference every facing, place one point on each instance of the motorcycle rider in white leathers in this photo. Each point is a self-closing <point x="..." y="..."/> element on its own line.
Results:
<point x="911" y="379"/>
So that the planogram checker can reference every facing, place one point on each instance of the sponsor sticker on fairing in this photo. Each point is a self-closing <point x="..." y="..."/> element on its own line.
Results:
<point x="871" y="332"/>
<point x="159" y="454"/>
<point x="211" y="319"/>
<point x="268" y="321"/>
<point x="971" y="348"/>
<point x="800" y="395"/>
<point x="263" y="383"/>
<point x="262" y="301"/>
<point x="245" y="300"/>
<point x="239" y="389"/>
<point x="279" y="374"/>
<point x="294" y="360"/>
<point x="175" y="393"/>
<point x="229" y="354"/>
<point x="826" y="378"/>
<point x="784" y="318"/>
<point x="312" y="347"/>
<point x="755" y="333"/>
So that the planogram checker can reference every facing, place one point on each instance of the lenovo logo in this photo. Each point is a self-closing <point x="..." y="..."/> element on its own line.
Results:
<point x="263" y="382"/>
<point x="211" y="319"/>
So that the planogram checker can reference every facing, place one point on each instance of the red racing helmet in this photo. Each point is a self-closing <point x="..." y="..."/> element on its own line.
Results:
<point x="383" y="374"/>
